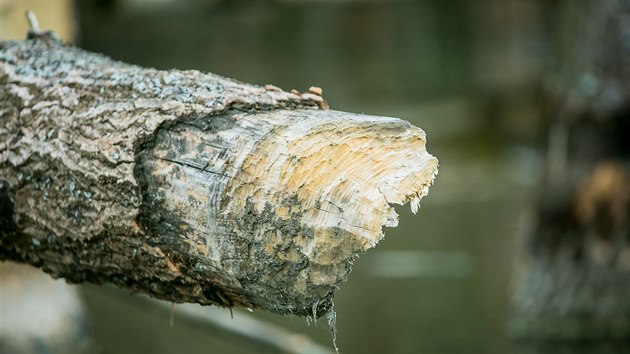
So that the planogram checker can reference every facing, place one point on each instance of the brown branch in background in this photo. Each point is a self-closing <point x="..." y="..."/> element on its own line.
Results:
<point x="246" y="328"/>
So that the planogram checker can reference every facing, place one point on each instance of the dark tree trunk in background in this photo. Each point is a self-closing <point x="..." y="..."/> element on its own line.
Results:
<point x="574" y="281"/>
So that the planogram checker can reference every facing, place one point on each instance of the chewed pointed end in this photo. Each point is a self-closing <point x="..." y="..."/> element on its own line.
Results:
<point x="416" y="198"/>
<point x="411" y="173"/>
<point x="317" y="192"/>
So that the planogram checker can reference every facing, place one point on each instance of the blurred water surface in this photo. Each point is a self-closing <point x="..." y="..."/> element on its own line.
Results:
<point x="467" y="72"/>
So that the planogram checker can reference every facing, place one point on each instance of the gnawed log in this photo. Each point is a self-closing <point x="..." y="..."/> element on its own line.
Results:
<point x="191" y="187"/>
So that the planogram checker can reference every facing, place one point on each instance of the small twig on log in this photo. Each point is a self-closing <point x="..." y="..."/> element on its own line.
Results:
<point x="33" y="24"/>
<point x="34" y="29"/>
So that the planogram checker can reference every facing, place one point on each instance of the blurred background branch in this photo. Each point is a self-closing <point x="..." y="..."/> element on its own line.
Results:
<point x="574" y="282"/>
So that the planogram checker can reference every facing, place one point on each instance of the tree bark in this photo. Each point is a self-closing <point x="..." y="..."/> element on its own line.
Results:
<point x="191" y="187"/>
<point x="574" y="283"/>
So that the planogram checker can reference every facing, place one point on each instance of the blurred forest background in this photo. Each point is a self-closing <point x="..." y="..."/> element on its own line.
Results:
<point x="480" y="77"/>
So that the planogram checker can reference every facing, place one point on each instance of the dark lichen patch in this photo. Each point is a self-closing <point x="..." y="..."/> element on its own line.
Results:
<point x="162" y="225"/>
<point x="253" y="221"/>
<point x="278" y="271"/>
<point x="7" y="194"/>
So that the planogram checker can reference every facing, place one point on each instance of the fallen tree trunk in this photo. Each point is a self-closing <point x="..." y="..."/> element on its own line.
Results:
<point x="191" y="187"/>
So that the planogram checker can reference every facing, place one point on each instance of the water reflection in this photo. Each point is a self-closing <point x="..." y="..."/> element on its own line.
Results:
<point x="420" y="264"/>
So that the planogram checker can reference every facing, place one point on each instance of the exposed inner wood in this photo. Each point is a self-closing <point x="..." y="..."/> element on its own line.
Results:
<point x="291" y="195"/>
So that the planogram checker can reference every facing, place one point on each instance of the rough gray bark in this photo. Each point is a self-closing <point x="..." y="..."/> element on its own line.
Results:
<point x="191" y="187"/>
